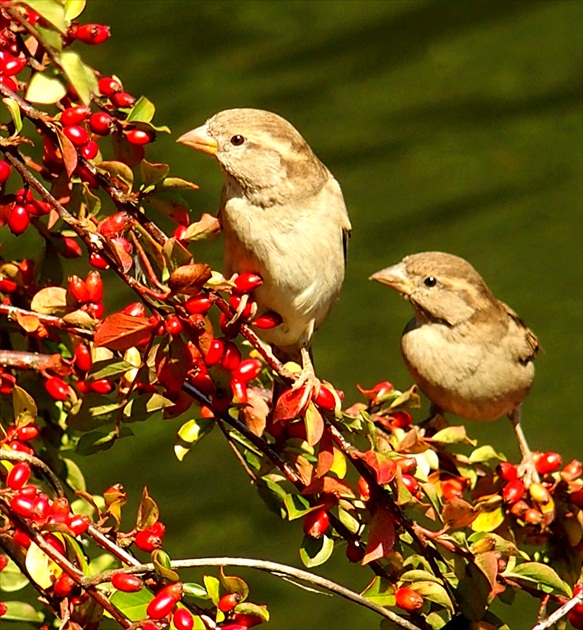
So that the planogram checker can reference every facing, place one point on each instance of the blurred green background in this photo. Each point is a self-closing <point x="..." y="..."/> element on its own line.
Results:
<point x="451" y="125"/>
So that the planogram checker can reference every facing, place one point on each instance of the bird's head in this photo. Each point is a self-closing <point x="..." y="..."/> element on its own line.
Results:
<point x="441" y="287"/>
<point x="260" y="151"/>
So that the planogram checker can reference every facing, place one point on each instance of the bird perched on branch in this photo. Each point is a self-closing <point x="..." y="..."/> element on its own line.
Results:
<point x="469" y="353"/>
<point x="284" y="218"/>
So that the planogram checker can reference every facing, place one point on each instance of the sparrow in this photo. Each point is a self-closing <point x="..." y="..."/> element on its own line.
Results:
<point x="283" y="216"/>
<point x="470" y="354"/>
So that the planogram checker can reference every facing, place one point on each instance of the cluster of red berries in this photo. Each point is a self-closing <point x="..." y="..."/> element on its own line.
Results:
<point x="87" y="294"/>
<point x="29" y="502"/>
<point x="576" y="614"/>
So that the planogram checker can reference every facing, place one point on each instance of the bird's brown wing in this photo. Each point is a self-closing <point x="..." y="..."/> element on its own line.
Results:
<point x="529" y="345"/>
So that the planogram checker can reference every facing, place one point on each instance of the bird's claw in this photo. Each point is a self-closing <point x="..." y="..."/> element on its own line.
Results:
<point x="527" y="471"/>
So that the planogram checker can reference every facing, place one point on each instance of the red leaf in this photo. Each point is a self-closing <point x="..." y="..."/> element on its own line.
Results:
<point x="314" y="423"/>
<point x="173" y="364"/>
<point x="291" y="404"/>
<point x="384" y="467"/>
<point x="121" y="331"/>
<point x="381" y="538"/>
<point x="325" y="454"/>
<point x="331" y="485"/>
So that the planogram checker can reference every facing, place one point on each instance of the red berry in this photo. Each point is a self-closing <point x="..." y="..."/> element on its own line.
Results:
<point x="64" y="585"/>
<point x="452" y="488"/>
<point x="21" y="539"/>
<point x="507" y="471"/>
<point x="100" y="386"/>
<point x="239" y="391"/>
<point x="246" y="282"/>
<point x="411" y="484"/>
<point x="77" y="135"/>
<point x="78" y="524"/>
<point x="3" y="562"/>
<point x="69" y="248"/>
<point x="23" y="506"/>
<point x="364" y="488"/>
<point x="11" y="66"/>
<point x="135" y="309"/>
<point x="267" y="320"/>
<point x="18" y="220"/>
<point x="198" y="305"/>
<point x="575" y="619"/>
<point x="18" y="476"/>
<point x="183" y="619"/>
<point x="8" y="82"/>
<point x="101" y="123"/>
<point x="247" y="370"/>
<point x="115" y="224"/>
<point x="127" y="582"/>
<point x="165" y="601"/>
<point x="147" y="541"/>
<point x="42" y="508"/>
<point x="5" y="170"/>
<point x="139" y="136"/>
<point x="7" y="286"/>
<point x="245" y="620"/>
<point x="401" y="419"/>
<point x="89" y="150"/>
<point x="548" y="463"/>
<point x="231" y="358"/>
<point x="173" y="325"/>
<point x="325" y="399"/>
<point x="108" y="86"/>
<point x="354" y="552"/>
<point x="573" y="470"/>
<point x="228" y="602"/>
<point x="57" y="388"/>
<point x="513" y="491"/>
<point x="316" y="523"/>
<point x="27" y="433"/>
<point x="61" y="505"/>
<point x="75" y="115"/>
<point x="122" y="99"/>
<point x="94" y="285"/>
<point x="577" y="498"/>
<point x="96" y="260"/>
<point x="83" y="359"/>
<point x="78" y="289"/>
<point x="408" y="599"/>
<point x="215" y="352"/>
<point x="235" y="301"/>
<point x="92" y="34"/>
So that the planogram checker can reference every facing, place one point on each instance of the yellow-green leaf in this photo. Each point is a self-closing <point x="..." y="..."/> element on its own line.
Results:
<point x="45" y="90"/>
<point x="73" y="9"/>
<point x="51" y="11"/>
<point x="77" y="74"/>
<point x="14" y="110"/>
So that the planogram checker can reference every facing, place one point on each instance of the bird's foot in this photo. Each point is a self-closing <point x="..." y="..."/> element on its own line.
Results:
<point x="527" y="471"/>
<point x="246" y="309"/>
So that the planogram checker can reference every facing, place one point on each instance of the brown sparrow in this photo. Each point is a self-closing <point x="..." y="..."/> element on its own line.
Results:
<point x="284" y="217"/>
<point x="469" y="353"/>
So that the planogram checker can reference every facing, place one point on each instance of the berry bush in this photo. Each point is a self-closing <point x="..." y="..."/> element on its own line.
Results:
<point x="446" y="526"/>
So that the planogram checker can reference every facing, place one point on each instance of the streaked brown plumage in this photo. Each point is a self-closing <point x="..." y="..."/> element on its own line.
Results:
<point x="283" y="216"/>
<point x="469" y="353"/>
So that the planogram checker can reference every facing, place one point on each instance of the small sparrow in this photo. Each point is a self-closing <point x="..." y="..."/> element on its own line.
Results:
<point x="469" y="353"/>
<point x="284" y="217"/>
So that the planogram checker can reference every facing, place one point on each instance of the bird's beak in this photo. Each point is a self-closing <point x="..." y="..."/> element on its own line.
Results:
<point x="199" y="139"/>
<point x="395" y="277"/>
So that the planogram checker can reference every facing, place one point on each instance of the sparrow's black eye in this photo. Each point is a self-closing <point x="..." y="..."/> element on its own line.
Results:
<point x="430" y="281"/>
<point x="237" y="140"/>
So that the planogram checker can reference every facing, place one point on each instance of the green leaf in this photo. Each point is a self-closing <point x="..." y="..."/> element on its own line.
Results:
<point x="247" y="608"/>
<point x="482" y="542"/>
<point x="433" y="592"/>
<point x="25" y="409"/>
<point x="14" y="111"/>
<point x="315" y="551"/>
<point x="73" y="9"/>
<point x="194" y="430"/>
<point x="74" y="478"/>
<point x="108" y="368"/>
<point x="77" y="73"/>
<point x="452" y="435"/>
<point x="133" y="605"/>
<point x="541" y="575"/>
<point x="143" y="406"/>
<point x="380" y="591"/>
<point x="96" y="441"/>
<point x="120" y="172"/>
<point x="45" y="90"/>
<point x="94" y="410"/>
<point x="20" y="611"/>
<point x="175" y="183"/>
<point x="213" y="588"/>
<point x="151" y="174"/>
<point x="484" y="454"/>
<point x="39" y="566"/>
<point x="416" y="575"/>
<point x="296" y="506"/>
<point x="142" y="111"/>
<point x="51" y="11"/>
<point x="12" y="578"/>
<point x="195" y="590"/>
<point x="272" y="494"/>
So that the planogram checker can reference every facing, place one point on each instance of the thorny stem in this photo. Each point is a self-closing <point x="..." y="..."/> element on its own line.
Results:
<point x="274" y="568"/>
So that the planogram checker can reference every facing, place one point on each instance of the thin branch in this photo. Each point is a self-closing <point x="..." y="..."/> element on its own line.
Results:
<point x="12" y="312"/>
<point x="561" y="612"/>
<point x="274" y="568"/>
